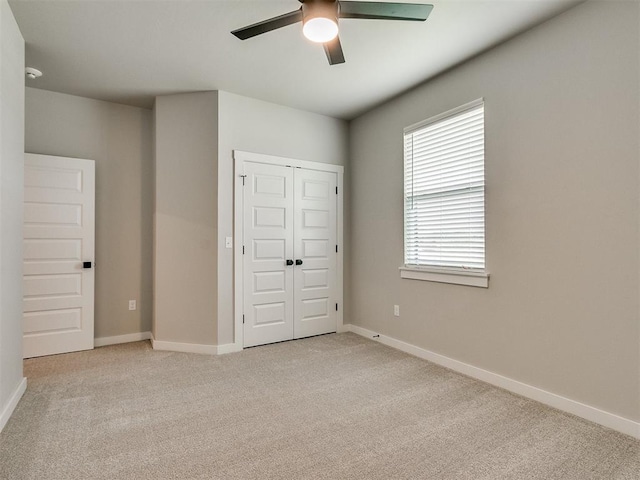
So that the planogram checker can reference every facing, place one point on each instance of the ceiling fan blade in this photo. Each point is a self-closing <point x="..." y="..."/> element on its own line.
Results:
<point x="385" y="10"/>
<point x="268" y="25"/>
<point x="333" y="49"/>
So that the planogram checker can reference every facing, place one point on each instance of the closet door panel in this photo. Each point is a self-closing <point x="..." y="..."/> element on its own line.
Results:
<point x="268" y="243"/>
<point x="315" y="247"/>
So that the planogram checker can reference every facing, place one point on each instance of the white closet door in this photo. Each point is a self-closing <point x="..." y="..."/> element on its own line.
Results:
<point x="315" y="243"/>
<point x="268" y="244"/>
<point x="59" y="197"/>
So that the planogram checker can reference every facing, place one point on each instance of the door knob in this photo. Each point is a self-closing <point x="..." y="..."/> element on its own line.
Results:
<point x="289" y="262"/>
<point x="298" y="262"/>
<point x="86" y="264"/>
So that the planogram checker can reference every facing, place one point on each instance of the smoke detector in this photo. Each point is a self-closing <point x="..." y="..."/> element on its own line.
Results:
<point x="32" y="73"/>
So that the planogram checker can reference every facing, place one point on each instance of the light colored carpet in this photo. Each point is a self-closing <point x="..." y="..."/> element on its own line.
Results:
<point x="330" y="407"/>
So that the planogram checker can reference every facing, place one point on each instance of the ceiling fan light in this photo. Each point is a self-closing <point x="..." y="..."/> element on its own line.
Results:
<point x="320" y="29"/>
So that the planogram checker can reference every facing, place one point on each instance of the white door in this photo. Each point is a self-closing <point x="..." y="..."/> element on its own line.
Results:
<point x="59" y="196"/>
<point x="268" y="244"/>
<point x="289" y="244"/>
<point x="315" y="253"/>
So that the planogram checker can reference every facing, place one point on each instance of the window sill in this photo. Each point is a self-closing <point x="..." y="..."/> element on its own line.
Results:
<point x="457" y="277"/>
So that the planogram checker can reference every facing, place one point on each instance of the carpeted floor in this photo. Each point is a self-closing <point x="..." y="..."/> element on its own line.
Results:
<point x="330" y="407"/>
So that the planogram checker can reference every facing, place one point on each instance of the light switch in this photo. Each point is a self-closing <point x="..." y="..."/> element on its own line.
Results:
<point x="228" y="242"/>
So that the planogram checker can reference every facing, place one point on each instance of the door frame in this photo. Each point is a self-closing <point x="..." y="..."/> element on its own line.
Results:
<point x="239" y="157"/>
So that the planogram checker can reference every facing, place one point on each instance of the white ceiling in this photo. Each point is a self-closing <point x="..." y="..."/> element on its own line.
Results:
<point x="130" y="51"/>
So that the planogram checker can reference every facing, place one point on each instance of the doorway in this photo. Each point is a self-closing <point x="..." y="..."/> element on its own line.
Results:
<point x="288" y="216"/>
<point x="58" y="258"/>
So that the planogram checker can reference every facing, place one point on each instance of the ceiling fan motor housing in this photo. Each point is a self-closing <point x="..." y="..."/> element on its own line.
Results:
<point x="320" y="8"/>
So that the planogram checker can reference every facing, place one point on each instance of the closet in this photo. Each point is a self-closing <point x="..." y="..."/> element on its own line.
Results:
<point x="290" y="250"/>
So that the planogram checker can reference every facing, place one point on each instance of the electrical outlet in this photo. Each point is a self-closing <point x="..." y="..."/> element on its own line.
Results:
<point x="132" y="304"/>
<point x="396" y="310"/>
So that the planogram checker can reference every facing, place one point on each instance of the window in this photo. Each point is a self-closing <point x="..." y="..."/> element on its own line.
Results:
<point x="444" y="198"/>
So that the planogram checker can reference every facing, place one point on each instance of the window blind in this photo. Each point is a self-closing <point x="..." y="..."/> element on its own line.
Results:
<point x="444" y="190"/>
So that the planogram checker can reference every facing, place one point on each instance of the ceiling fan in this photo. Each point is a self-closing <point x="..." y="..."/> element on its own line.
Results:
<point x="320" y="20"/>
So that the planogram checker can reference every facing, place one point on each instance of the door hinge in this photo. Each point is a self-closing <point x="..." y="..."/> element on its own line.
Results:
<point x="243" y="319"/>
<point x="336" y="248"/>
<point x="243" y="177"/>
<point x="336" y="307"/>
<point x="243" y="249"/>
<point x="336" y="190"/>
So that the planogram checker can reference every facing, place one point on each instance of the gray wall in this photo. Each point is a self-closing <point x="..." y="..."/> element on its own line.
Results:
<point x="186" y="148"/>
<point x="562" y="121"/>
<point x="118" y="138"/>
<point x="11" y="197"/>
<point x="260" y="127"/>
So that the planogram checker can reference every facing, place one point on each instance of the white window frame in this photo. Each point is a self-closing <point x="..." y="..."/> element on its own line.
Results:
<point x="460" y="276"/>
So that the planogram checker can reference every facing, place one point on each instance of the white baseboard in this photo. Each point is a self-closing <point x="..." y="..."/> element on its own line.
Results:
<point x="593" y="414"/>
<point x="131" y="337"/>
<point x="344" y="328"/>
<point x="228" y="348"/>
<point x="194" y="347"/>
<point x="7" y="411"/>
<point x="183" y="347"/>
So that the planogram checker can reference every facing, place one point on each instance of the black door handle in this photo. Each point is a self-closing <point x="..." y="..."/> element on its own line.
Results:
<point x="298" y="262"/>
<point x="86" y="264"/>
<point x="289" y="262"/>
